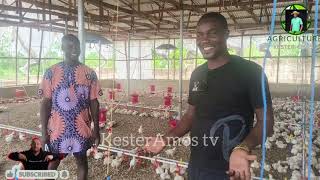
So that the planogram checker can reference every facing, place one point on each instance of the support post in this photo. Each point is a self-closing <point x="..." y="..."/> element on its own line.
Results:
<point x="81" y="31"/>
<point x="114" y="56"/>
<point x="304" y="110"/>
<point x="40" y="54"/>
<point x="174" y="61"/>
<point x="181" y="64"/>
<point x="168" y="59"/>
<point x="250" y="48"/>
<point x="17" y="34"/>
<point x="99" y="59"/>
<point x="241" y="48"/>
<point x="140" y="65"/>
<point x="278" y="62"/>
<point x="154" y="59"/>
<point x="128" y="67"/>
<point x="29" y="57"/>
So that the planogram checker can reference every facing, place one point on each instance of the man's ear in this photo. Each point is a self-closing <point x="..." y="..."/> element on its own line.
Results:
<point x="226" y="35"/>
<point x="62" y="47"/>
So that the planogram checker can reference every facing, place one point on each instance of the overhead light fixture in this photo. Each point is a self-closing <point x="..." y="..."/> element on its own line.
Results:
<point x="250" y="28"/>
<point x="166" y="47"/>
<point x="96" y="38"/>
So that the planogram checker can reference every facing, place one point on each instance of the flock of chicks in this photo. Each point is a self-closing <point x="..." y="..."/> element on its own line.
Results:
<point x="290" y="135"/>
<point x="114" y="160"/>
<point x="163" y="113"/>
<point x="10" y="137"/>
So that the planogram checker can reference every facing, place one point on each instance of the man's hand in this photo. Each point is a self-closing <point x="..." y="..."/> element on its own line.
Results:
<point x="22" y="157"/>
<point x="155" y="144"/>
<point x="48" y="158"/>
<point x="239" y="165"/>
<point x="45" y="139"/>
<point x="96" y="139"/>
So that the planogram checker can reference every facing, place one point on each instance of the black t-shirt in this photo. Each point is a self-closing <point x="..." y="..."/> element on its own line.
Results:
<point x="34" y="162"/>
<point x="225" y="99"/>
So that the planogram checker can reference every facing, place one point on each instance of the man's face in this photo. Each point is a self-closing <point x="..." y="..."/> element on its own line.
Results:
<point x="211" y="39"/>
<point x="71" y="50"/>
<point x="295" y="15"/>
<point x="36" y="145"/>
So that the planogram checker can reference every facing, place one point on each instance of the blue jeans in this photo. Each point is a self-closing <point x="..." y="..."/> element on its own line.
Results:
<point x="195" y="173"/>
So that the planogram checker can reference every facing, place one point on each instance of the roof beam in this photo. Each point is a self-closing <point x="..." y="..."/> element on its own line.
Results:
<point x="178" y="6"/>
<point x="37" y="11"/>
<point x="250" y="11"/>
<point x="45" y="28"/>
<point x="40" y="11"/>
<point x="226" y="3"/>
<point x="132" y="8"/>
<point x="75" y="12"/>
<point x="232" y="17"/>
<point x="240" y="25"/>
<point x="57" y="27"/>
<point x="133" y="12"/>
<point x="229" y="3"/>
<point x="34" y="22"/>
<point x="172" y="2"/>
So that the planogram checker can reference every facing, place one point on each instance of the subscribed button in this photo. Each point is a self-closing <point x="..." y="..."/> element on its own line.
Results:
<point x="64" y="174"/>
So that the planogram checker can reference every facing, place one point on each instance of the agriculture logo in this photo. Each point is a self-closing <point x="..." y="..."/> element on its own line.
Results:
<point x="295" y="19"/>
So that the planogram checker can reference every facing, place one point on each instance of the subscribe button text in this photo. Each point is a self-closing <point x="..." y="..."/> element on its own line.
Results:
<point x="37" y="174"/>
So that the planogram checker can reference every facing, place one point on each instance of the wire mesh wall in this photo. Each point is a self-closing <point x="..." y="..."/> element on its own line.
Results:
<point x="25" y="53"/>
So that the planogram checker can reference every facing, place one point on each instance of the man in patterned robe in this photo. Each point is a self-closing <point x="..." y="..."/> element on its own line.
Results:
<point x="70" y="90"/>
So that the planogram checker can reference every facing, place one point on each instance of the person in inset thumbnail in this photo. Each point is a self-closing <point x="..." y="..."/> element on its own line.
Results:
<point x="34" y="158"/>
<point x="296" y="23"/>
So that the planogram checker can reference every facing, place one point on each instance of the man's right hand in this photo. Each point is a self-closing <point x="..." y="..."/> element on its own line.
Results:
<point x="155" y="144"/>
<point x="45" y="140"/>
<point x="22" y="157"/>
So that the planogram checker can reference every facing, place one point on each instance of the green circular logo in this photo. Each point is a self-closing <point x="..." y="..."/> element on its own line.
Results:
<point x="295" y="19"/>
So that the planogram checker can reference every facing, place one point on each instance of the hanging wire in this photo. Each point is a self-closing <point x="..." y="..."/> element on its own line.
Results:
<point x="314" y="58"/>
<point x="274" y="11"/>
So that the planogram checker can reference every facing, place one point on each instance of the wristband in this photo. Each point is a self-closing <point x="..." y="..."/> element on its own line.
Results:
<point x="242" y="147"/>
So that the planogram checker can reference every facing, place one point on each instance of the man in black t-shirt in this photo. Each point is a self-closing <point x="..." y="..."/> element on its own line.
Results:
<point x="224" y="95"/>
<point x="34" y="158"/>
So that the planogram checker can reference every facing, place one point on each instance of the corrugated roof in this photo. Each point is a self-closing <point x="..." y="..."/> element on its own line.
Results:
<point x="154" y="16"/>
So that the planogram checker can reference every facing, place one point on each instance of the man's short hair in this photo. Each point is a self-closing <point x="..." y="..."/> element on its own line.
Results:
<point x="35" y="138"/>
<point x="71" y="37"/>
<point x="214" y="16"/>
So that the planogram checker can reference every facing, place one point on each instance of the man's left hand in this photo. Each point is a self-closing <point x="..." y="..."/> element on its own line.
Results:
<point x="239" y="165"/>
<point x="96" y="138"/>
<point x="48" y="158"/>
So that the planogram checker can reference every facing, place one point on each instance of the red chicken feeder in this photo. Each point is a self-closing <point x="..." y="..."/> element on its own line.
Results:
<point x="103" y="115"/>
<point x="167" y="101"/>
<point x="20" y="93"/>
<point x="173" y="123"/>
<point x="111" y="95"/>
<point x="152" y="89"/>
<point x="134" y="98"/>
<point x="118" y="87"/>
<point x="295" y="98"/>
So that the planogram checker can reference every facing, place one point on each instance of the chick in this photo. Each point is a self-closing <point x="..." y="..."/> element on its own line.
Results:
<point x="140" y="130"/>
<point x="170" y="152"/>
<point x="132" y="163"/>
<point x="22" y="136"/>
<point x="9" y="138"/>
